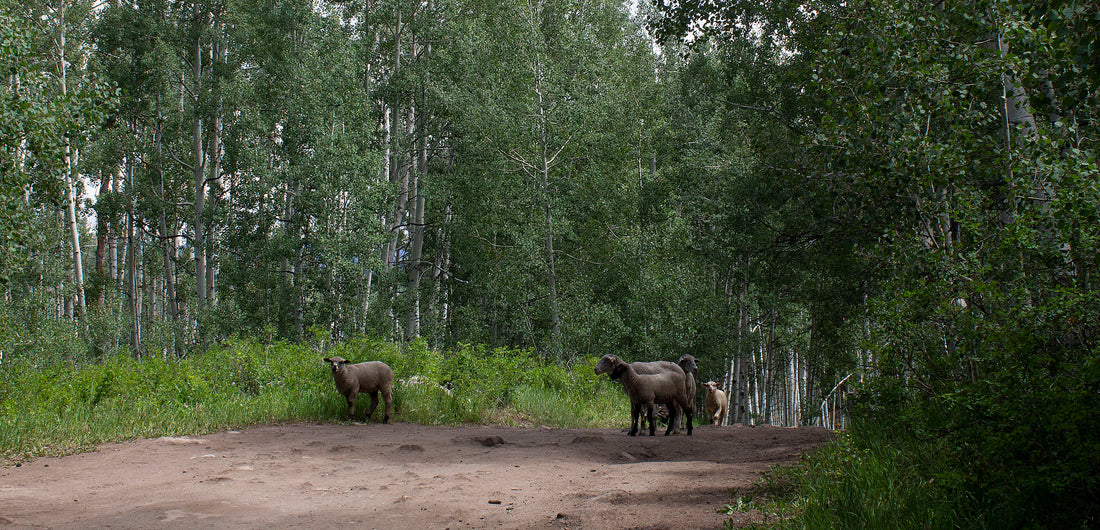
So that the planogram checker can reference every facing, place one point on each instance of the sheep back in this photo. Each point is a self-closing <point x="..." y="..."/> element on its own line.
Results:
<point x="372" y="377"/>
<point x="669" y="387"/>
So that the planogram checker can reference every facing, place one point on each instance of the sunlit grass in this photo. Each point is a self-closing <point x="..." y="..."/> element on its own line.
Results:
<point x="864" y="481"/>
<point x="67" y="407"/>
<point x="570" y="410"/>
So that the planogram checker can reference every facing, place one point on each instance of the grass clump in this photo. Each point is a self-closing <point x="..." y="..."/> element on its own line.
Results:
<point x="64" y="407"/>
<point x="863" y="479"/>
<point x="61" y="405"/>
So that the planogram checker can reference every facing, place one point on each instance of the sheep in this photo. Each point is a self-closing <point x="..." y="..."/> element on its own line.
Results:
<point x="716" y="403"/>
<point x="369" y="377"/>
<point x="688" y="366"/>
<point x="652" y="367"/>
<point x="669" y="387"/>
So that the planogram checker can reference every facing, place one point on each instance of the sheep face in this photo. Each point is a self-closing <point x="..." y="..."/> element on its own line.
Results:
<point x="338" y="363"/>
<point x="711" y="386"/>
<point x="687" y="362"/>
<point x="607" y="364"/>
<point x="611" y="365"/>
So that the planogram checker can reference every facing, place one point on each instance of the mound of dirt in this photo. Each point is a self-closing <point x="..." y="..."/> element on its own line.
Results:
<point x="403" y="476"/>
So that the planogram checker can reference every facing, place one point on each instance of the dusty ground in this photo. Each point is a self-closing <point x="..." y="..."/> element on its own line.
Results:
<point x="401" y="476"/>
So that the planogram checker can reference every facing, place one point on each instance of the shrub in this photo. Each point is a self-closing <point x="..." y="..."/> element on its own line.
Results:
<point x="71" y="403"/>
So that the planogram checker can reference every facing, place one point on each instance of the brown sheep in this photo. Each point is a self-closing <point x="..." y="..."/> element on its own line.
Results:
<point x="370" y="377"/>
<point x="645" y="390"/>
<point x="688" y="365"/>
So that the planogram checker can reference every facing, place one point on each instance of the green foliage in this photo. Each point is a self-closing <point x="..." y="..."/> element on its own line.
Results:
<point x="67" y="406"/>
<point x="36" y="121"/>
<point x="62" y="405"/>
<point x="966" y="233"/>
<point x="487" y="384"/>
<point x="866" y="478"/>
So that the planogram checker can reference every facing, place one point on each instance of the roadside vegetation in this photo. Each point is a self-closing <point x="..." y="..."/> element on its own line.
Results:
<point x="53" y="405"/>
<point x="881" y="216"/>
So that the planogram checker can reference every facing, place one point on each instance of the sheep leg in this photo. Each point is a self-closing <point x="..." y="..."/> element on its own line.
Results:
<point x="387" y="396"/>
<point x="351" y="406"/>
<point x="373" y="404"/>
<point x="635" y="410"/>
<point x="672" y="422"/>
<point x="652" y="408"/>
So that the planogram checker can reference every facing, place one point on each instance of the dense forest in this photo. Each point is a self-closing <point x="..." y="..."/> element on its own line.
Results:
<point x="880" y="214"/>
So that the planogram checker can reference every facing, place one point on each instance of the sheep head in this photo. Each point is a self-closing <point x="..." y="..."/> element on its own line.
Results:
<point x="610" y="364"/>
<point x="605" y="364"/>
<point x="711" y="386"/>
<point x="338" y="363"/>
<point x="687" y="362"/>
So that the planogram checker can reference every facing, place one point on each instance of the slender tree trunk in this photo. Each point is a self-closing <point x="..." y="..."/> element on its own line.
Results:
<point x="416" y="230"/>
<point x="215" y="178"/>
<point x="288" y="285"/>
<point x="400" y="169"/>
<point x="299" y="300"/>
<point x="418" y="121"/>
<point x="112" y="237"/>
<point x="214" y="155"/>
<point x="744" y="325"/>
<point x="198" y="171"/>
<point x="548" y="211"/>
<point x="440" y="302"/>
<point x="70" y="183"/>
<point x="168" y="242"/>
<point x="132" y="289"/>
<point x="74" y="232"/>
<point x="103" y="228"/>
<point x="366" y="298"/>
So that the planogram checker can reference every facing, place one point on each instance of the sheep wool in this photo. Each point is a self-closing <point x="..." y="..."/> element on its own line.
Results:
<point x="716" y="403"/>
<point x="646" y="390"/>
<point x="372" y="377"/>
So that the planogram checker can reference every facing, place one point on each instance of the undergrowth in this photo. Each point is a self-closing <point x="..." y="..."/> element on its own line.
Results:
<point x="53" y="405"/>
<point x="868" y="478"/>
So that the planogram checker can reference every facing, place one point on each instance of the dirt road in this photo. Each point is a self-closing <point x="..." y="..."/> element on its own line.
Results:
<point x="401" y="476"/>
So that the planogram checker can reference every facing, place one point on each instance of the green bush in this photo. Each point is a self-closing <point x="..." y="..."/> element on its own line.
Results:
<point x="71" y="403"/>
<point x="865" y="478"/>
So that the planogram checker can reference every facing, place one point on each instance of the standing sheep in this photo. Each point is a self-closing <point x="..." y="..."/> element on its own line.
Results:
<point x="667" y="411"/>
<point x="646" y="390"/>
<point x="716" y="403"/>
<point x="686" y="365"/>
<point x="369" y="377"/>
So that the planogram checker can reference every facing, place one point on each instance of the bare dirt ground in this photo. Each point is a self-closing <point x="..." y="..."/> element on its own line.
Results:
<point x="402" y="476"/>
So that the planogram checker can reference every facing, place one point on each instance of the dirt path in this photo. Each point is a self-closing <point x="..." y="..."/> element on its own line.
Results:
<point x="401" y="476"/>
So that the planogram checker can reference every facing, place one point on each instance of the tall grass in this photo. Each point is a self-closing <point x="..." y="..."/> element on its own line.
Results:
<point x="866" y="478"/>
<point x="61" y="405"/>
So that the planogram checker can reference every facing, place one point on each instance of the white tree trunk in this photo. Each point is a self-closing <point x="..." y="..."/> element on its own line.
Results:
<point x="199" y="174"/>
<point x="70" y="183"/>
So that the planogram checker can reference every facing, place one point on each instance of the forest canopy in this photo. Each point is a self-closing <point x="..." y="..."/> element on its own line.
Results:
<point x="880" y="215"/>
